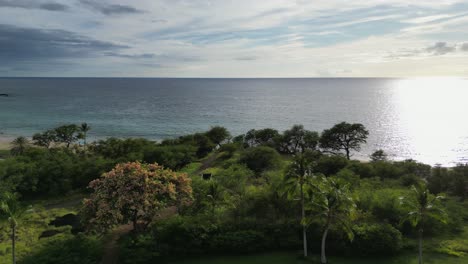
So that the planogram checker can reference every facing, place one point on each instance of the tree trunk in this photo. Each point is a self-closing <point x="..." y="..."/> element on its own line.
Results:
<point x="420" y="245"/>
<point x="304" y="233"/>
<point x="347" y="154"/>
<point x="13" y="243"/>
<point x="323" y="257"/>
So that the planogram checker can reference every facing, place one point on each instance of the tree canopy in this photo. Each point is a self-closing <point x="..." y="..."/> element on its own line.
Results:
<point x="344" y="137"/>
<point x="134" y="192"/>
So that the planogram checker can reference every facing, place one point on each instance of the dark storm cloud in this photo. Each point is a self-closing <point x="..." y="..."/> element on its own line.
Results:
<point x="28" y="4"/>
<point x="109" y="9"/>
<point x="30" y="44"/>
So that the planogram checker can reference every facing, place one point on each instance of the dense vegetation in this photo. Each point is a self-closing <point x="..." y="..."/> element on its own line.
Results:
<point x="210" y="193"/>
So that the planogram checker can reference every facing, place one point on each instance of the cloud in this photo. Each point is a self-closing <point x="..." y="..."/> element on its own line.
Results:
<point x="441" y="48"/>
<point x="29" y="44"/>
<point x="131" y="56"/>
<point x="28" y="4"/>
<point x="464" y="47"/>
<point x="436" y="49"/>
<point x="232" y="38"/>
<point x="246" y="58"/>
<point x="110" y="9"/>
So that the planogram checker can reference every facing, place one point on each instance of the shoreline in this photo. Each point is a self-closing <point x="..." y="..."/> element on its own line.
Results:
<point x="5" y="142"/>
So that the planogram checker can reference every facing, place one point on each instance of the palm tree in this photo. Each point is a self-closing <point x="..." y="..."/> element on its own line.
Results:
<point x="215" y="195"/>
<point x="84" y="128"/>
<point x="298" y="179"/>
<point x="422" y="205"/>
<point x="334" y="204"/>
<point x="20" y="144"/>
<point x="11" y="210"/>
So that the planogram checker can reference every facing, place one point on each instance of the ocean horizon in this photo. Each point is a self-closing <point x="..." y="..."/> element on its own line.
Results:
<point x="421" y="119"/>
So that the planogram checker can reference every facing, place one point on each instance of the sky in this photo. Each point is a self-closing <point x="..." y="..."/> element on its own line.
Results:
<point x="233" y="38"/>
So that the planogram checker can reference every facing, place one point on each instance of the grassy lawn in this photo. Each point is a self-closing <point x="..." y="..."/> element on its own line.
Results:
<point x="294" y="258"/>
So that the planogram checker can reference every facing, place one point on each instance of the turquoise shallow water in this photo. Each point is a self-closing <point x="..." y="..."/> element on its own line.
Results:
<point x="424" y="119"/>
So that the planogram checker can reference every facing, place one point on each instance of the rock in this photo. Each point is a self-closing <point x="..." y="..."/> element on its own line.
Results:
<point x="49" y="233"/>
<point x="68" y="220"/>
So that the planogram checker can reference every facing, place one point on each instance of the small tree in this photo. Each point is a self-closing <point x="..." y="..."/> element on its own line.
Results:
<point x="298" y="181"/>
<point x="134" y="192"/>
<point x="422" y="205"/>
<point x="344" y="137"/>
<point x="11" y="210"/>
<point x="334" y="204"/>
<point x="217" y="134"/>
<point x="215" y="195"/>
<point x="67" y="134"/>
<point x="266" y="136"/>
<point x="297" y="139"/>
<point x="378" y="155"/>
<point x="260" y="159"/>
<point x="19" y="146"/>
<point x="84" y="128"/>
<point x="44" y="139"/>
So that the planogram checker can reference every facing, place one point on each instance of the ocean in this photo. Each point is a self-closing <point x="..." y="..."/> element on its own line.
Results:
<point x="422" y="119"/>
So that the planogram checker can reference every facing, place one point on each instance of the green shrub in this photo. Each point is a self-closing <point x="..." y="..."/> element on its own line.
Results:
<point x="172" y="156"/>
<point x="330" y="165"/>
<point x="242" y="241"/>
<point x="80" y="250"/>
<point x="376" y="239"/>
<point x="260" y="159"/>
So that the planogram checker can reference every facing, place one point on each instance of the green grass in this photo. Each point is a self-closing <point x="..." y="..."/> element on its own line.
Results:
<point x="33" y="224"/>
<point x="294" y="258"/>
<point x="4" y="153"/>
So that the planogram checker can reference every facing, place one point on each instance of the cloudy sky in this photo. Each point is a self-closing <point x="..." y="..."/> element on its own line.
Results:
<point x="234" y="38"/>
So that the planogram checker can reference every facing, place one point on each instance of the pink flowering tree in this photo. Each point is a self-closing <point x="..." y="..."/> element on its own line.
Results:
<point x="134" y="193"/>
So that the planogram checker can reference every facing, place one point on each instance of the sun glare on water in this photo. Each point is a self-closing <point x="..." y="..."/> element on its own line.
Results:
<point x="433" y="114"/>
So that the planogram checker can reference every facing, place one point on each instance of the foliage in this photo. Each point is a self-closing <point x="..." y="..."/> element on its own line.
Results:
<point x="378" y="155"/>
<point x="76" y="250"/>
<point x="40" y="172"/>
<point x="133" y="192"/>
<point x="297" y="139"/>
<point x="421" y="206"/>
<point x="330" y="165"/>
<point x="19" y="146"/>
<point x="217" y="134"/>
<point x="260" y="159"/>
<point x="344" y="137"/>
<point x="67" y="134"/>
<point x="122" y="150"/>
<point x="44" y="139"/>
<point x="265" y="137"/>
<point x="376" y="239"/>
<point x="172" y="156"/>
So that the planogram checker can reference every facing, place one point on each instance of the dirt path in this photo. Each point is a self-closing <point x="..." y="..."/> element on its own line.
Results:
<point x="207" y="163"/>
<point x="111" y="247"/>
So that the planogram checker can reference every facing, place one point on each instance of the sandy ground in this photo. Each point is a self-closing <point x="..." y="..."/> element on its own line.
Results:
<point x="5" y="142"/>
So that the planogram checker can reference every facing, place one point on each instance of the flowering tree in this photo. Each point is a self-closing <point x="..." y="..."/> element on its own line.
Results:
<point x="134" y="192"/>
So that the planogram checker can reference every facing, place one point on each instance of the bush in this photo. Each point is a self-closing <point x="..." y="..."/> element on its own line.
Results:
<point x="364" y="170"/>
<point x="330" y="165"/>
<point x="260" y="159"/>
<point x="241" y="241"/>
<point x="200" y="235"/>
<point x="376" y="239"/>
<point x="172" y="156"/>
<point x="80" y="250"/>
